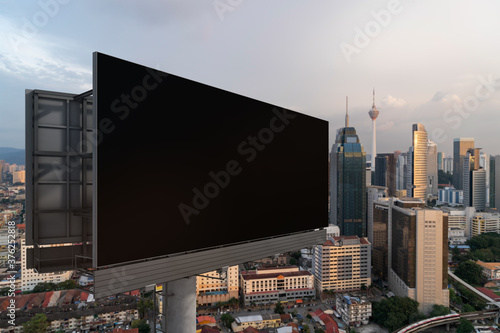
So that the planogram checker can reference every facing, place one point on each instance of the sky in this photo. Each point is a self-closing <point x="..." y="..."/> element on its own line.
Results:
<point x="434" y="63"/>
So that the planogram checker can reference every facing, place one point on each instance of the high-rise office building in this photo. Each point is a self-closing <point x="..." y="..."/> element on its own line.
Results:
<point x="348" y="183"/>
<point x="440" y="160"/>
<point x="401" y="171"/>
<point x="474" y="181"/>
<point x="432" y="167"/>
<point x="417" y="251"/>
<point x="448" y="164"/>
<point x="385" y="172"/>
<point x="373" y="193"/>
<point x="484" y="162"/>
<point x="495" y="181"/>
<point x="19" y="177"/>
<point x="373" y="115"/>
<point x="460" y="148"/>
<point x="417" y="163"/>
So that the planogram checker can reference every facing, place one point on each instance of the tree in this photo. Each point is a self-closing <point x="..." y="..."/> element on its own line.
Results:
<point x="44" y="287"/>
<point x="306" y="329"/>
<point x="4" y="291"/>
<point x="444" y="177"/>
<point x="465" y="326"/>
<point x="143" y="306"/>
<point x="68" y="284"/>
<point x="227" y="320"/>
<point x="38" y="324"/>
<point x="309" y="316"/>
<point x="319" y="330"/>
<point x="395" y="312"/>
<point x="468" y="308"/>
<point x="470" y="272"/>
<point x="279" y="308"/>
<point x="141" y="325"/>
<point x="293" y="261"/>
<point x="439" y="310"/>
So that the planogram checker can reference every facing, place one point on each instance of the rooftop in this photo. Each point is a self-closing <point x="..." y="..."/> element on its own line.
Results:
<point x="489" y="265"/>
<point x="273" y="275"/>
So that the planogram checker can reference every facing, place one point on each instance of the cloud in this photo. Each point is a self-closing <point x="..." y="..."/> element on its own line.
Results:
<point x="393" y="101"/>
<point x="385" y="126"/>
<point x="40" y="59"/>
<point x="445" y="97"/>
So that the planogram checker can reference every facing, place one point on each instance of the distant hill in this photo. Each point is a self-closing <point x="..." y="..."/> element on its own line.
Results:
<point x="13" y="155"/>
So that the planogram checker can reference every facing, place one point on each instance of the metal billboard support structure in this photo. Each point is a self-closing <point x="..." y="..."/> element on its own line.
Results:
<point x="58" y="179"/>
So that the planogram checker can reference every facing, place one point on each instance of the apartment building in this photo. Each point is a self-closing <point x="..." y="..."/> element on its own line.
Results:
<point x="342" y="263"/>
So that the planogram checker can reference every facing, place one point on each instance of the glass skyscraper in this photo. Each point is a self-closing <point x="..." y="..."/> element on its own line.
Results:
<point x="348" y="183"/>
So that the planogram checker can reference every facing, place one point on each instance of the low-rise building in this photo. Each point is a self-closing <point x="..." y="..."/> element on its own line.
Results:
<point x="491" y="270"/>
<point x="217" y="286"/>
<point x="30" y="278"/>
<point x="353" y="310"/>
<point x="256" y="321"/>
<point x="456" y="236"/>
<point x="450" y="196"/>
<point x="270" y="285"/>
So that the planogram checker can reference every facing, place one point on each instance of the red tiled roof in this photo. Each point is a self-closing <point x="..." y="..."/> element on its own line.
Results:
<point x="208" y="329"/>
<point x="210" y="319"/>
<point x="364" y="241"/>
<point x="48" y="295"/>
<point x="4" y="303"/>
<point x="84" y="296"/>
<point x="250" y="329"/>
<point x="285" y="317"/>
<point x="489" y="293"/>
<point x="273" y="275"/>
<point x="21" y="303"/>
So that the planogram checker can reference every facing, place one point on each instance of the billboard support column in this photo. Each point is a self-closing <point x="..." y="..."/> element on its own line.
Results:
<point x="180" y="309"/>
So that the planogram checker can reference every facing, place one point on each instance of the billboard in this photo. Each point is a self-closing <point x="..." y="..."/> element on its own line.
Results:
<point x="181" y="166"/>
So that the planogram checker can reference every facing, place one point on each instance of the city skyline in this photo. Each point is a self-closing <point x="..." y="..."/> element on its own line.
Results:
<point x="306" y="58"/>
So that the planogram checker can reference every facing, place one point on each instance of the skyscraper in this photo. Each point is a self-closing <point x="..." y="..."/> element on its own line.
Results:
<point x="417" y="160"/>
<point x="474" y="181"/>
<point x="460" y="148"/>
<point x="373" y="115"/>
<point x="495" y="181"/>
<point x="432" y="167"/>
<point x="348" y="183"/>
<point x="484" y="162"/>
<point x="440" y="158"/>
<point x="385" y="172"/>
<point x="417" y="252"/>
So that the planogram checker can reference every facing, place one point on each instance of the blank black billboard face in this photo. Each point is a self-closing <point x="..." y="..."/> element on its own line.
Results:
<point x="183" y="166"/>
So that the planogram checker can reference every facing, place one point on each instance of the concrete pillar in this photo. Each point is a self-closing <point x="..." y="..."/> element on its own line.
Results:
<point x="447" y="327"/>
<point x="180" y="306"/>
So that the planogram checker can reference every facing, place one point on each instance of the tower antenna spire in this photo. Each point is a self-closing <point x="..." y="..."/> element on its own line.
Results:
<point x="373" y="97"/>
<point x="346" y="111"/>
